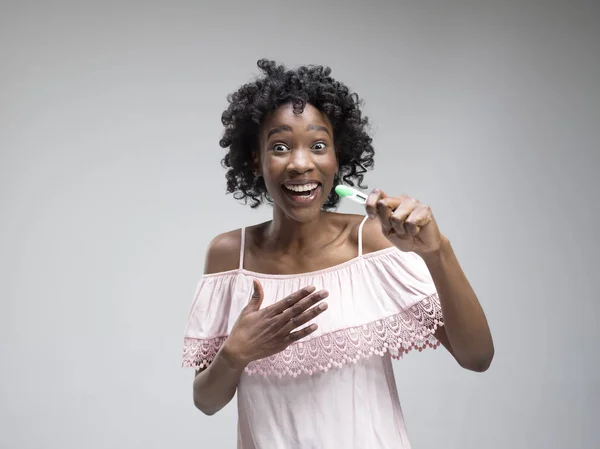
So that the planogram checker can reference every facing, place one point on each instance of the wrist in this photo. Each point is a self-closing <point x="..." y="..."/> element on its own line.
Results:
<point x="437" y="254"/>
<point x="232" y="356"/>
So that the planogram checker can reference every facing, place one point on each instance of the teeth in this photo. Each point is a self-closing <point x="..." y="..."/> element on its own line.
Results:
<point x="302" y="187"/>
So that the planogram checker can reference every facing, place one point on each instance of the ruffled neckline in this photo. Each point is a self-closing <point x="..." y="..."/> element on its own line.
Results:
<point x="333" y="268"/>
<point x="390" y="305"/>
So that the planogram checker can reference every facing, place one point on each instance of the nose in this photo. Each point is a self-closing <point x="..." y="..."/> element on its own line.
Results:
<point x="300" y="161"/>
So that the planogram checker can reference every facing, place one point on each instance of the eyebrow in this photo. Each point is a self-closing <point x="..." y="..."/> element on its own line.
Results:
<point x="283" y="128"/>
<point x="318" y="128"/>
<point x="278" y="129"/>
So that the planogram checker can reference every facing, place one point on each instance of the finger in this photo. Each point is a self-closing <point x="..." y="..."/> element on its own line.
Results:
<point x="371" y="204"/>
<point x="298" y="308"/>
<point x="385" y="209"/>
<point x="418" y="218"/>
<point x="402" y="212"/>
<point x="384" y="213"/>
<point x="289" y="301"/>
<point x="295" y="336"/>
<point x="393" y="202"/>
<point x="257" y="296"/>
<point x="303" y="318"/>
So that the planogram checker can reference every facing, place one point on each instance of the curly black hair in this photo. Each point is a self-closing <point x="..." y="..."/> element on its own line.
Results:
<point x="308" y="84"/>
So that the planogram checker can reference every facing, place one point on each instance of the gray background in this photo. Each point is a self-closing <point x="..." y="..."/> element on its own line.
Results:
<point x="111" y="189"/>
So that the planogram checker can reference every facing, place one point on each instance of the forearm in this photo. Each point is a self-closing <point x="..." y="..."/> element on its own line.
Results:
<point x="464" y="320"/>
<point x="215" y="386"/>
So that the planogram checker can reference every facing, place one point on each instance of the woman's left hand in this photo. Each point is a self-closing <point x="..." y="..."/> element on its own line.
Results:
<point x="406" y="222"/>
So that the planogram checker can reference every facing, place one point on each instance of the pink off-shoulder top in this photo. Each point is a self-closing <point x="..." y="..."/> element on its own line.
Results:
<point x="335" y="388"/>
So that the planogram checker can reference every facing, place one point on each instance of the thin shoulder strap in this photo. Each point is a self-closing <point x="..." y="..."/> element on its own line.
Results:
<point x="360" y="240"/>
<point x="242" y="245"/>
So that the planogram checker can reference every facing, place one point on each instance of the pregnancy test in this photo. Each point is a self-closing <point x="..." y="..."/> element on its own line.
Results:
<point x="351" y="194"/>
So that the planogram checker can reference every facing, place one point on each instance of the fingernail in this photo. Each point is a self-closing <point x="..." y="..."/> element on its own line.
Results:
<point x="323" y="306"/>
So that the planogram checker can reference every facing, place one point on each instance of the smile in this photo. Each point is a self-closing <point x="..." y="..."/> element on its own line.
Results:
<point x="302" y="193"/>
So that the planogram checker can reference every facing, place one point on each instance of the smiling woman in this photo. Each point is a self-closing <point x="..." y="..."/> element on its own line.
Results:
<point x="392" y="281"/>
<point x="297" y="160"/>
<point x="279" y="98"/>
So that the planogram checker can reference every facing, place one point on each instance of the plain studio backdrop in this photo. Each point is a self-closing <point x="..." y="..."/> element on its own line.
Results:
<point x="111" y="189"/>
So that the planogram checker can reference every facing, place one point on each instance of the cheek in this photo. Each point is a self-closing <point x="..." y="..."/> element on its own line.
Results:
<point x="271" y="170"/>
<point x="330" y="163"/>
<point x="272" y="166"/>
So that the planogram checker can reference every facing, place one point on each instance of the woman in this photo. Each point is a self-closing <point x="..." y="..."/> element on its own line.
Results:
<point x="311" y="372"/>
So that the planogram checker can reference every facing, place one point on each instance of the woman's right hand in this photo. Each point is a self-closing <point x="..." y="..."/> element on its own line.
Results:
<point x="260" y="333"/>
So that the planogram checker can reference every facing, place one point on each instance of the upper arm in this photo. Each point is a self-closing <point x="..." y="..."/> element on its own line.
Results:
<point x="222" y="254"/>
<point x="375" y="240"/>
<point x="442" y="337"/>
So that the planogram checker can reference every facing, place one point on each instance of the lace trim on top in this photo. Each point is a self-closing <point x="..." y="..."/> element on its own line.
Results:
<point x="397" y="334"/>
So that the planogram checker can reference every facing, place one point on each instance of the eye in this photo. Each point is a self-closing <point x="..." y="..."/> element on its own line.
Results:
<point x="279" y="148"/>
<point x="319" y="146"/>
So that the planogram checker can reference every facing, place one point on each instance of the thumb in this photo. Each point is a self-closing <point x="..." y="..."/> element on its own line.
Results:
<point x="257" y="296"/>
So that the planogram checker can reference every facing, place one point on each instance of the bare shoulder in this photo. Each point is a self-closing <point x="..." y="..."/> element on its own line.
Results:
<point x="223" y="252"/>
<point x="348" y="224"/>
<point x="373" y="237"/>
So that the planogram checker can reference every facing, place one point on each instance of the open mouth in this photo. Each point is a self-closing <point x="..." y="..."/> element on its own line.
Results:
<point x="302" y="193"/>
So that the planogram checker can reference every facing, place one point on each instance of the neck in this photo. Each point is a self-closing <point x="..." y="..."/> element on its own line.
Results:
<point x="291" y="236"/>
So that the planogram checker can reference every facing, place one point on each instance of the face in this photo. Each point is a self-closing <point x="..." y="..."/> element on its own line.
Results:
<point x="297" y="160"/>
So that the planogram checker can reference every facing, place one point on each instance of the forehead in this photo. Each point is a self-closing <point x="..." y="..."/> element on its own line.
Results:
<point x="284" y="115"/>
